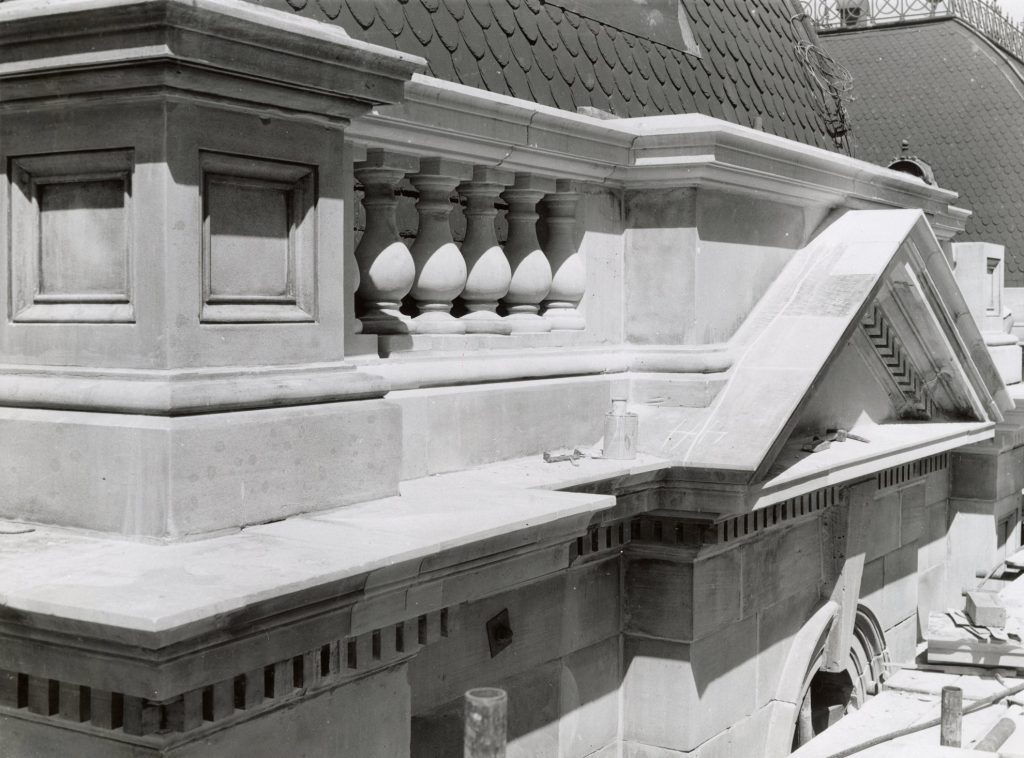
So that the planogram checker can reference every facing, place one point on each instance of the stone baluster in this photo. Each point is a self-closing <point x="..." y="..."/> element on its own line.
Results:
<point x="386" y="267"/>
<point x="568" y="271"/>
<point x="531" y="272"/>
<point x="440" y="268"/>
<point x="489" y="274"/>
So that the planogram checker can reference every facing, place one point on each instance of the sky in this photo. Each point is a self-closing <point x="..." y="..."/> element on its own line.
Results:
<point x="1014" y="9"/>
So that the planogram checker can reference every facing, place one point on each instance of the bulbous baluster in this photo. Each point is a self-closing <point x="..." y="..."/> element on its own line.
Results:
<point x="440" y="268"/>
<point x="386" y="268"/>
<point x="489" y="274"/>
<point x="568" y="271"/>
<point x="531" y="272"/>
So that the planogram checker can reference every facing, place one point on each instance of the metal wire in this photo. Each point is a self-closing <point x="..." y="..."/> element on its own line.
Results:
<point x="833" y="81"/>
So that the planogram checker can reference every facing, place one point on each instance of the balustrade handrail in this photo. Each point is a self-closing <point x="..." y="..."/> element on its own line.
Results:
<point x="443" y="307"/>
<point x="987" y="18"/>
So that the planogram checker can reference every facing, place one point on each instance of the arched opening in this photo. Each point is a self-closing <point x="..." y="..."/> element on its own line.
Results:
<point x="830" y="695"/>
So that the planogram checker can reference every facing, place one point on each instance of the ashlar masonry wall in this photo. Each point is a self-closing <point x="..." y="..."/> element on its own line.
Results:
<point x="680" y="636"/>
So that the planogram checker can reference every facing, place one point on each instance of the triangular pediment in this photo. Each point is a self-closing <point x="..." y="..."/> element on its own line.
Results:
<point x="864" y="328"/>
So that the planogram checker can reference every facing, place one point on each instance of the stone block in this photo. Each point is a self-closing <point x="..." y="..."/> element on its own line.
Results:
<point x="549" y="619"/>
<point x="936" y="486"/>
<point x="589" y="698"/>
<point x="716" y="592"/>
<point x="973" y="544"/>
<point x="882" y="520"/>
<point x="988" y="475"/>
<point x="779" y="564"/>
<point x="933" y="594"/>
<point x="912" y="513"/>
<point x="38" y="739"/>
<point x="171" y="477"/>
<point x="777" y="626"/>
<point x="933" y="546"/>
<point x="678" y="695"/>
<point x="533" y="713"/>
<point x="748" y="737"/>
<point x="9" y="689"/>
<point x="658" y="598"/>
<point x="985" y="609"/>
<point x="368" y="717"/>
<point x="533" y="718"/>
<point x="899" y="589"/>
<point x="453" y="428"/>
<point x="901" y="640"/>
<point x="659" y="276"/>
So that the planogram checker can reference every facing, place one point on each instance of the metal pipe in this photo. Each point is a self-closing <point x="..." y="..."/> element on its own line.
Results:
<point x="486" y="715"/>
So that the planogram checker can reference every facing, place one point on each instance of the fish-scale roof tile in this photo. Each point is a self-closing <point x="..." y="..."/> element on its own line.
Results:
<point x="657" y="61"/>
<point x="515" y="78"/>
<point x="391" y="15"/>
<point x="482" y="13"/>
<point x="330" y="8"/>
<point x="607" y="48"/>
<point x="417" y="20"/>
<point x="588" y="42"/>
<point x="568" y="36"/>
<point x="548" y="28"/>
<point x="473" y="38"/>
<point x="605" y="78"/>
<point x="493" y="75"/>
<point x="504" y="15"/>
<point x="542" y="50"/>
<point x="522" y="51"/>
<point x="527" y="20"/>
<point x="364" y="13"/>
<point x="497" y="44"/>
<point x="562" y="93"/>
<point x="566" y="65"/>
<point x="625" y="54"/>
<point x="447" y="27"/>
<point x="545" y="60"/>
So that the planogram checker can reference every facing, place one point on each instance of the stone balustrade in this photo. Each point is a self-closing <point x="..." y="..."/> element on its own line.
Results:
<point x="481" y="286"/>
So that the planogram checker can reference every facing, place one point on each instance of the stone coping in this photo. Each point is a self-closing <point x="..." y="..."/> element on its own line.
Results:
<point x="444" y="119"/>
<point x="889" y="445"/>
<point x="156" y="594"/>
<point x="72" y="46"/>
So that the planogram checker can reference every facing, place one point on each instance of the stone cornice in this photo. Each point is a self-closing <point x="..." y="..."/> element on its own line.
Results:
<point x="230" y="50"/>
<point x="184" y="392"/>
<point x="451" y="120"/>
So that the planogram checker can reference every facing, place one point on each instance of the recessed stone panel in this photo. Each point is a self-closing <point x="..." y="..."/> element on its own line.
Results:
<point x="259" y="242"/>
<point x="71" y="237"/>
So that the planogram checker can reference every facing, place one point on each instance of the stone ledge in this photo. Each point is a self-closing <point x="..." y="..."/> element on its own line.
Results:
<point x="318" y="68"/>
<point x="277" y="591"/>
<point x="184" y="391"/>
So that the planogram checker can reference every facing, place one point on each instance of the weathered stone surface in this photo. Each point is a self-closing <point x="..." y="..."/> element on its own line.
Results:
<point x="778" y="563"/>
<point x="777" y="627"/>
<point x="156" y="477"/>
<point x="463" y="427"/>
<point x="913" y="524"/>
<point x="713" y="680"/>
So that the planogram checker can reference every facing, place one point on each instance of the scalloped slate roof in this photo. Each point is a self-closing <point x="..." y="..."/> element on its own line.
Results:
<point x="536" y="50"/>
<point x="961" y="105"/>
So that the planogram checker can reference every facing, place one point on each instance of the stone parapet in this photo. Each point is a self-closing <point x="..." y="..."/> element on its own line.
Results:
<point x="175" y="227"/>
